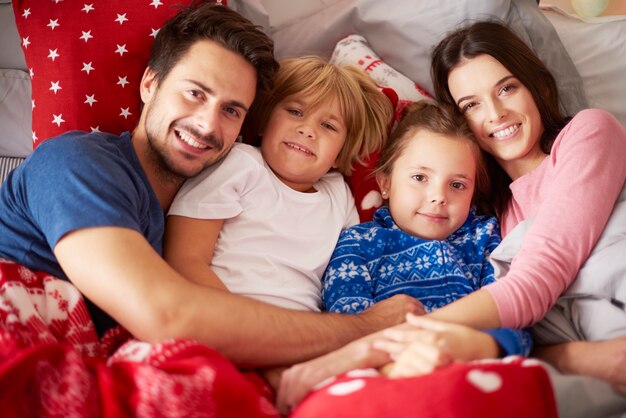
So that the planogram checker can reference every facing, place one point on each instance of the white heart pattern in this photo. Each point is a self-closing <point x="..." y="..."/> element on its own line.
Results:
<point x="346" y="388"/>
<point x="372" y="200"/>
<point x="488" y="382"/>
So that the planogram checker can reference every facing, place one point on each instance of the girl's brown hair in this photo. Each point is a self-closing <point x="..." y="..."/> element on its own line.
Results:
<point x="443" y="120"/>
<point x="366" y="110"/>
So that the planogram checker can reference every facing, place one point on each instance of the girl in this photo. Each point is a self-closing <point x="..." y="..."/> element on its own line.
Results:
<point x="262" y="223"/>
<point x="428" y="242"/>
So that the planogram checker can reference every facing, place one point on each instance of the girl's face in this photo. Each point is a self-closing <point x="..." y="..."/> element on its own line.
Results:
<point x="301" y="144"/>
<point x="501" y="112"/>
<point x="431" y="185"/>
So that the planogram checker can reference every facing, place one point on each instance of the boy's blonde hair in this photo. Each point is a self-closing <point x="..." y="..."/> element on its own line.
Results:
<point x="439" y="119"/>
<point x="366" y="110"/>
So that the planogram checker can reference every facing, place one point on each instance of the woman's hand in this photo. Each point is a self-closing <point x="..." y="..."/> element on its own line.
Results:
<point x="429" y="345"/>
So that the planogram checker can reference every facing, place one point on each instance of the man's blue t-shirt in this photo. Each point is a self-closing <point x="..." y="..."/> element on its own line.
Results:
<point x="77" y="180"/>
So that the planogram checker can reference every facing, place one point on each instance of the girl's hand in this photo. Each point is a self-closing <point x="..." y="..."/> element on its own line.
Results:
<point x="429" y="345"/>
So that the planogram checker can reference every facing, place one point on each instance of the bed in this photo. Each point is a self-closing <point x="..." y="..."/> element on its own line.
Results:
<point x="390" y="40"/>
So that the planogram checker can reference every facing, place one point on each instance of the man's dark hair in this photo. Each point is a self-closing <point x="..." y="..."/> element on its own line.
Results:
<point x="203" y="20"/>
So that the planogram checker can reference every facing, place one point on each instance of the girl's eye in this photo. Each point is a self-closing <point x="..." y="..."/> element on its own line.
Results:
<point x="295" y="112"/>
<point x="419" y="177"/>
<point x="457" y="185"/>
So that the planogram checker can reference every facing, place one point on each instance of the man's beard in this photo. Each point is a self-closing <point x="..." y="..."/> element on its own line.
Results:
<point x="164" y="164"/>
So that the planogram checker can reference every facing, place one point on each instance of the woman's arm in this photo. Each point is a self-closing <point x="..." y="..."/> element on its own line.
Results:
<point x="188" y="247"/>
<point x="604" y="360"/>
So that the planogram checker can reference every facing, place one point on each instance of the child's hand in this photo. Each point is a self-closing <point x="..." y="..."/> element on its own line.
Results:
<point x="297" y="381"/>
<point x="430" y="344"/>
<point x="390" y="312"/>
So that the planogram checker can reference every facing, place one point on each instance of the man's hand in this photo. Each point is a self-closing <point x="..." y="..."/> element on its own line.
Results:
<point x="390" y="312"/>
<point x="604" y="360"/>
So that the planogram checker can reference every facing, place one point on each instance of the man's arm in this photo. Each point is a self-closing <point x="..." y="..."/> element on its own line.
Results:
<point x="118" y="271"/>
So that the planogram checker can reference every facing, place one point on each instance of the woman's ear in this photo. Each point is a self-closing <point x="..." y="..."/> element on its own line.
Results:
<point x="384" y="183"/>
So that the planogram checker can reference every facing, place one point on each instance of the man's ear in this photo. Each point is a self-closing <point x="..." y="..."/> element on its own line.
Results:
<point x="384" y="183"/>
<point x="148" y="85"/>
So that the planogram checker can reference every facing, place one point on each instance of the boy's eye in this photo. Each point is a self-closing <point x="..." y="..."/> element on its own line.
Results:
<point x="194" y="93"/>
<point x="295" y="112"/>
<point x="329" y="126"/>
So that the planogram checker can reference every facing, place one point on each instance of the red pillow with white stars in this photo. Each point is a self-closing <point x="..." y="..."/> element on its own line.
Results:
<point x="86" y="59"/>
<point x="401" y="91"/>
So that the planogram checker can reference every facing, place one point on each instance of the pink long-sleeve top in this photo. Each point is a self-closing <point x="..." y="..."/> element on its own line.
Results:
<point x="571" y="195"/>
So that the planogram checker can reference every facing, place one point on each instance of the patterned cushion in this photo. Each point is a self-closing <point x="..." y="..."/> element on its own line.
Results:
<point x="86" y="60"/>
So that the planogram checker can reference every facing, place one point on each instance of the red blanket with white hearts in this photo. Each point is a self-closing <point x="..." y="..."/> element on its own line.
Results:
<point x="52" y="363"/>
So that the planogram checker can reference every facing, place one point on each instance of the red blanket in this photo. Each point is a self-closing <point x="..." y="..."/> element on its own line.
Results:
<point x="52" y="363"/>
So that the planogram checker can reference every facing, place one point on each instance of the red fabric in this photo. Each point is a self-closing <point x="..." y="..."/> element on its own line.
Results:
<point x="516" y="389"/>
<point x="52" y="364"/>
<point x="85" y="35"/>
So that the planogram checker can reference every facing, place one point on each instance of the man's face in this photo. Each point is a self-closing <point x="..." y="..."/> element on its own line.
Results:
<point x="192" y="117"/>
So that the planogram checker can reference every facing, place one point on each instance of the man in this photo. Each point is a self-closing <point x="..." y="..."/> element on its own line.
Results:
<point x="89" y="208"/>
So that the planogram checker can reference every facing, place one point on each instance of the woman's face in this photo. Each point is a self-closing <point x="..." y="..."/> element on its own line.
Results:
<point x="501" y="112"/>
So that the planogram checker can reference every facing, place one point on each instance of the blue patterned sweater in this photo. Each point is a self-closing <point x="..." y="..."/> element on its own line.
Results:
<point x="376" y="260"/>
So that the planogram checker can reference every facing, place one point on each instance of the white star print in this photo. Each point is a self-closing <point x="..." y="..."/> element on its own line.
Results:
<point x="125" y="112"/>
<point x="31" y="72"/>
<point x="96" y="129"/>
<point x="53" y="54"/>
<point x="58" y="119"/>
<point x="86" y="36"/>
<point x="90" y="100"/>
<point x="121" y="18"/>
<point x="54" y="86"/>
<point x="26" y="13"/>
<point x="153" y="32"/>
<point x="25" y="42"/>
<point x="53" y="23"/>
<point x="122" y="81"/>
<point x="156" y="3"/>
<point x="87" y="67"/>
<point x="121" y="49"/>
<point x="87" y="8"/>
<point x="34" y="136"/>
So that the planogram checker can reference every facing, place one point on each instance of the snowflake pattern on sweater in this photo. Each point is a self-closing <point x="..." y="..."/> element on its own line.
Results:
<point x="376" y="260"/>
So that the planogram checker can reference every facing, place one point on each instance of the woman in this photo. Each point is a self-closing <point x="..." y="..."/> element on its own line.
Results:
<point x="564" y="173"/>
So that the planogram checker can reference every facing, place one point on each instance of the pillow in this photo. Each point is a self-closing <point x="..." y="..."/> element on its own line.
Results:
<point x="599" y="53"/>
<point x="15" y="115"/>
<point x="403" y="33"/>
<point x="86" y="61"/>
<point x="355" y="50"/>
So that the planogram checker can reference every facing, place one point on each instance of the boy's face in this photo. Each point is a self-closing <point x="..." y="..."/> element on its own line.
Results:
<point x="431" y="185"/>
<point x="193" y="116"/>
<point x="301" y="144"/>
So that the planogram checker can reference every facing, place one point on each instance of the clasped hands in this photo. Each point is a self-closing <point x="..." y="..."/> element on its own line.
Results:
<point x="418" y="346"/>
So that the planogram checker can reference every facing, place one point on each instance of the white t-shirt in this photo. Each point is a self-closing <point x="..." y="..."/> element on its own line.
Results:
<point x="275" y="242"/>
